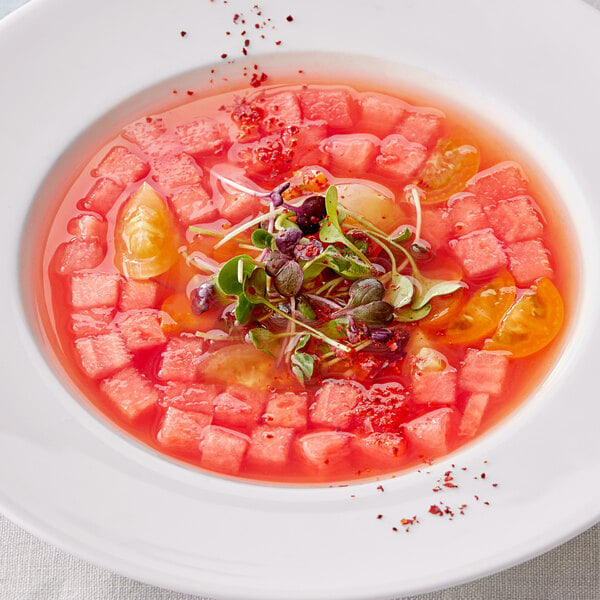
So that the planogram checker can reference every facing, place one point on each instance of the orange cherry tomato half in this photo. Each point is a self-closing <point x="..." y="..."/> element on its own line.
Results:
<point x="443" y="310"/>
<point x="532" y="322"/>
<point x="447" y="170"/>
<point x="482" y="312"/>
<point x="177" y="316"/>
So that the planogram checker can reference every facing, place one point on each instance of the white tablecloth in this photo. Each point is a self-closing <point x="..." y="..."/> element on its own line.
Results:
<point x="33" y="570"/>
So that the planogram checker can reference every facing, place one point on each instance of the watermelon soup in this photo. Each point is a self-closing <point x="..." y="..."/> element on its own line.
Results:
<point x="305" y="284"/>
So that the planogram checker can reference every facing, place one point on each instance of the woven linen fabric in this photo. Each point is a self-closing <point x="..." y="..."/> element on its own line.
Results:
<point x="33" y="570"/>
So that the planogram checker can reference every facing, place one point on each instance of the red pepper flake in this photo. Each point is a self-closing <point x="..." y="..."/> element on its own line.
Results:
<point x="394" y="529"/>
<point x="300" y="71"/>
<point x="174" y="91"/>
<point x="190" y="93"/>
<point x="483" y="476"/>
<point x="212" y="71"/>
<point x="246" y="43"/>
<point x="380" y="516"/>
<point x="436" y="510"/>
<point x="487" y="503"/>
<point x="223" y="55"/>
<point x="245" y="53"/>
<point x="476" y="497"/>
<point x="256" y="26"/>
<point x="494" y="485"/>
<point x="380" y="488"/>
<point x="278" y="43"/>
<point x="236" y="18"/>
<point x="449" y="484"/>
<point x="258" y="80"/>
<point x="183" y="33"/>
<point x="289" y="18"/>
<point x="228" y="33"/>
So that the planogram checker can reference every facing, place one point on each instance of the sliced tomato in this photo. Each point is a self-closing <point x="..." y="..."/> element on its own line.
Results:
<point x="444" y="309"/>
<point x="480" y="315"/>
<point x="177" y="316"/>
<point x="532" y="322"/>
<point x="206" y="245"/>
<point x="447" y="170"/>
<point x="146" y="238"/>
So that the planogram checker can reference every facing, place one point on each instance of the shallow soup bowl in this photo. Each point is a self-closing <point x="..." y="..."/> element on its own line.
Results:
<point x="76" y="480"/>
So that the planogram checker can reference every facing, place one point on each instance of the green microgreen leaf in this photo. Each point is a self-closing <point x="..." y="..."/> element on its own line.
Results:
<point x="255" y="286"/>
<point x="243" y="311"/>
<point x="262" y="239"/>
<point x="430" y="288"/>
<point x="400" y="291"/>
<point x="228" y="277"/>
<point x="305" y="310"/>
<point x="264" y="340"/>
<point x="404" y="236"/>
<point x="408" y="315"/>
<point x="283" y="221"/>
<point x="303" y="341"/>
<point x="364" y="291"/>
<point x="303" y="366"/>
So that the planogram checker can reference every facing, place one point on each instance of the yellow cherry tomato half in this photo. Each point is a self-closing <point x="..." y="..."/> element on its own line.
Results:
<point x="177" y="316"/>
<point x="480" y="315"/>
<point x="146" y="238"/>
<point x="447" y="170"/>
<point x="532" y="322"/>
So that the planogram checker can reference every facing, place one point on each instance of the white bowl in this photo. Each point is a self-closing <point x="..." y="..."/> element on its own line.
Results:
<point x="79" y="69"/>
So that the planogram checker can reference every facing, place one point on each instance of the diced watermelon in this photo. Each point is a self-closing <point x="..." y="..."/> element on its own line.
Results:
<point x="515" y="219"/>
<point x="102" y="196"/>
<point x="379" y="114"/>
<point x="472" y="414"/>
<point x="422" y="125"/>
<point x="192" y="204"/>
<point x="101" y="355"/>
<point x="191" y="397"/>
<point x="131" y="393"/>
<point x="203" y="137"/>
<point x="92" y="321"/>
<point x="142" y="330"/>
<point x="465" y="214"/>
<point x="528" y="261"/>
<point x="305" y="143"/>
<point x="399" y="158"/>
<point x="483" y="371"/>
<point x="145" y="133"/>
<point x="325" y="449"/>
<point x="173" y="171"/>
<point x="436" y="225"/>
<point x="239" y="406"/>
<point x="122" y="166"/>
<point x="434" y="387"/>
<point x="279" y="111"/>
<point x="182" y="431"/>
<point x="240" y="206"/>
<point x="333" y="404"/>
<point x="336" y="107"/>
<point x="428" y="435"/>
<point x="90" y="290"/>
<point x="138" y="294"/>
<point x="78" y="254"/>
<point x="180" y="359"/>
<point x="270" y="447"/>
<point x="286" y="409"/>
<point x="504" y="180"/>
<point x="386" y="448"/>
<point x="223" y="449"/>
<point x="350" y="154"/>
<point x="88" y="227"/>
<point x="480" y="253"/>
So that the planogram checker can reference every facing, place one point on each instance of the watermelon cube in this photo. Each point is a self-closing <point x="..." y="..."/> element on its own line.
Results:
<point x="203" y="137"/>
<point x="78" y="254"/>
<point x="176" y="170"/>
<point x="325" y="449"/>
<point x="504" y="180"/>
<point x="286" y="409"/>
<point x="465" y="214"/>
<point x="434" y="387"/>
<point x="515" y="219"/>
<point x="142" y="330"/>
<point x="191" y="397"/>
<point x="102" y="196"/>
<point x="528" y="261"/>
<point x="422" y="126"/>
<point x="279" y="111"/>
<point x="131" y="393"/>
<point x="472" y="414"/>
<point x="480" y="253"/>
<point x="270" y="447"/>
<point x="88" y="227"/>
<point x="90" y="290"/>
<point x="350" y="154"/>
<point x="238" y="406"/>
<point x="180" y="359"/>
<point x="304" y="143"/>
<point x="333" y="404"/>
<point x="483" y="371"/>
<point x="436" y="223"/>
<point x="428" y="435"/>
<point x="239" y="206"/>
<point x="145" y="133"/>
<point x="121" y="166"/>
<point x="223" y="449"/>
<point x="388" y="448"/>
<point x="92" y="321"/>
<point x="103" y="354"/>
<point x="137" y="294"/>
<point x="335" y="107"/>
<point x="379" y="114"/>
<point x="192" y="204"/>
<point x="181" y="431"/>
<point x="400" y="159"/>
